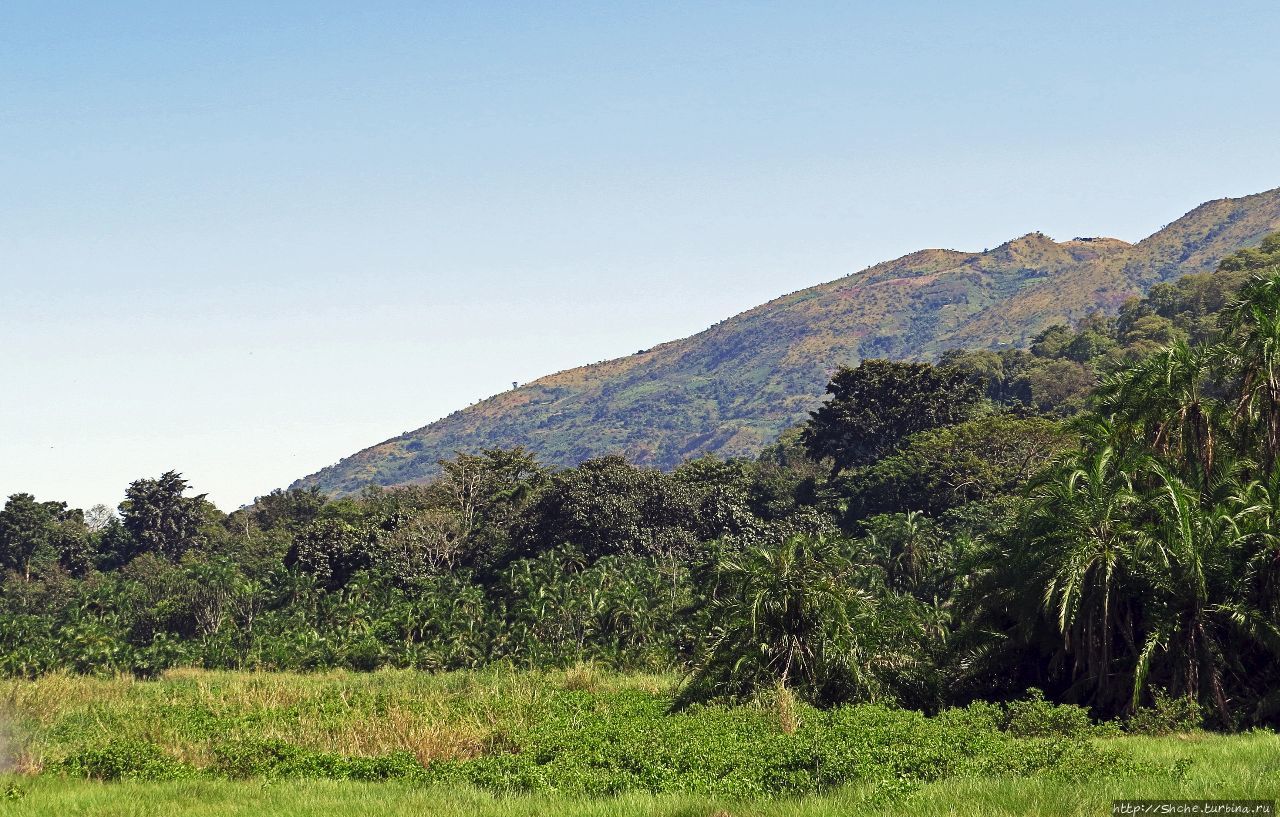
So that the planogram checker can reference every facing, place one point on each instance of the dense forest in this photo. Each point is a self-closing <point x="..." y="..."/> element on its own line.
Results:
<point x="1097" y="517"/>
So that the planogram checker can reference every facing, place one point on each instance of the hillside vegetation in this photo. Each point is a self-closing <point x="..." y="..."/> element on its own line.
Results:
<point x="732" y="389"/>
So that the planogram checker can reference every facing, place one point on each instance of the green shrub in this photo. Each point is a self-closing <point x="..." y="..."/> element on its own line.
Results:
<point x="1036" y="717"/>
<point x="277" y="759"/>
<point x="1167" y="715"/>
<point x="125" y="760"/>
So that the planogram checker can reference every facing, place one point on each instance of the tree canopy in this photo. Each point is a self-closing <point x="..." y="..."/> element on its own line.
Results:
<point x="878" y="404"/>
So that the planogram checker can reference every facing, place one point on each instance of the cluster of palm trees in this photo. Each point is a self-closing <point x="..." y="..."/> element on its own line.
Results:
<point x="1155" y="548"/>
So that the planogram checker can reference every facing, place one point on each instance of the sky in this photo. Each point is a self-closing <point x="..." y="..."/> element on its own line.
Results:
<point x="244" y="240"/>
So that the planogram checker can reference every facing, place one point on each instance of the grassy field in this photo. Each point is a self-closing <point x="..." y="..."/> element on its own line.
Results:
<point x="469" y="718"/>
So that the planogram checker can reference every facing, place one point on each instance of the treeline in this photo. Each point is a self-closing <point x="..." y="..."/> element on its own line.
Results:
<point x="1097" y="517"/>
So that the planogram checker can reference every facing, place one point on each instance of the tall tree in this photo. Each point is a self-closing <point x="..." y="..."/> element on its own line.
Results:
<point x="876" y="406"/>
<point x="791" y="614"/>
<point x="1167" y="398"/>
<point x="1082" y="524"/>
<point x="27" y="532"/>
<point x="159" y="518"/>
<point x="1253" y="351"/>
<point x="1190" y="570"/>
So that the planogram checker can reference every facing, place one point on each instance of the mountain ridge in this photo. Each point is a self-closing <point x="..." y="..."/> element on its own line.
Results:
<point x="731" y="388"/>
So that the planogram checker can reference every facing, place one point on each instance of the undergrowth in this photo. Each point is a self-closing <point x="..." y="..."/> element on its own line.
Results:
<point x="582" y="733"/>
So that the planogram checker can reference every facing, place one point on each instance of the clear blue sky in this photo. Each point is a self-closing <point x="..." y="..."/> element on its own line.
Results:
<point x="242" y="240"/>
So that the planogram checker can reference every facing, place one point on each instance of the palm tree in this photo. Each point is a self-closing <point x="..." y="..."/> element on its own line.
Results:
<point x="1253" y="608"/>
<point x="788" y="614"/>
<point x="1081" y="516"/>
<point x="906" y="546"/>
<point x="1253" y="356"/>
<point x="1187" y="563"/>
<point x="1164" y="398"/>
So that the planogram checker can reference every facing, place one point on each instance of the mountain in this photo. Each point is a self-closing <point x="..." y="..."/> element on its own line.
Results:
<point x="733" y="388"/>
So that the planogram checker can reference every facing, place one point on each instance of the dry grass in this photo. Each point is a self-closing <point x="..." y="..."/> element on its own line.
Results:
<point x="584" y="676"/>
<point x="187" y="712"/>
<point x="785" y="703"/>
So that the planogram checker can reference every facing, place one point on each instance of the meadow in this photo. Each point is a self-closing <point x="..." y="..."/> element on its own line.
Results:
<point x="581" y="741"/>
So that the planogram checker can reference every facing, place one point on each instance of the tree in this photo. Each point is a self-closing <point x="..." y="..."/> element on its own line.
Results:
<point x="1147" y="334"/>
<point x="214" y="587"/>
<point x="1059" y="386"/>
<point x="1253" y="608"/>
<point x="159" y="518"/>
<point x="1254" y="354"/>
<point x="1002" y="375"/>
<point x="1052" y="342"/>
<point x="876" y="406"/>
<point x="915" y="558"/>
<point x="606" y="507"/>
<point x="98" y="517"/>
<point x="788" y="614"/>
<point x="785" y="478"/>
<point x="27" y="533"/>
<point x="331" y="550"/>
<point x="1190" y="571"/>
<point x="289" y="510"/>
<point x="36" y="535"/>
<point x="974" y="461"/>
<point x="1166" y="399"/>
<point x="1081" y="522"/>
<point x="487" y="493"/>
<point x="427" y="542"/>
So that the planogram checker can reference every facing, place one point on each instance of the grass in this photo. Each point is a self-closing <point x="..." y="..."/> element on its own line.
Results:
<point x="461" y="715"/>
<point x="187" y="712"/>
<point x="1243" y="766"/>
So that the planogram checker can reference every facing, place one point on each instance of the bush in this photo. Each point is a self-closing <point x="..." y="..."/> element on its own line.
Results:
<point x="1167" y="715"/>
<point x="276" y="759"/>
<point x="125" y="760"/>
<point x="1036" y="717"/>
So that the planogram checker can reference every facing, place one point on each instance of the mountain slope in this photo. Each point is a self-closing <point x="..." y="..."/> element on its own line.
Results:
<point x="731" y="389"/>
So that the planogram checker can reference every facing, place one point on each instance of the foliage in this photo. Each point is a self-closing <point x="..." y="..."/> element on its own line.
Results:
<point x="977" y="460"/>
<point x="792" y="614"/>
<point x="877" y="405"/>
<point x="740" y="753"/>
<point x="1167" y="715"/>
<point x="159" y="518"/>
<point x="34" y="536"/>
<point x="608" y="507"/>
<point x="1035" y="717"/>
<point x="125" y="760"/>
<point x="275" y="759"/>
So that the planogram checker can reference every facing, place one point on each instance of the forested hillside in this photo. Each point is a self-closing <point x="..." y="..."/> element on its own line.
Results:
<point x="731" y="389"/>
<point x="1096" y="517"/>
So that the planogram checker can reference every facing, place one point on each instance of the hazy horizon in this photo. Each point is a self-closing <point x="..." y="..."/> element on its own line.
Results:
<point x="242" y="243"/>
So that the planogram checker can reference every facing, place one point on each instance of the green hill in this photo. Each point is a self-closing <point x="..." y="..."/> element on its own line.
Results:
<point x="731" y="389"/>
